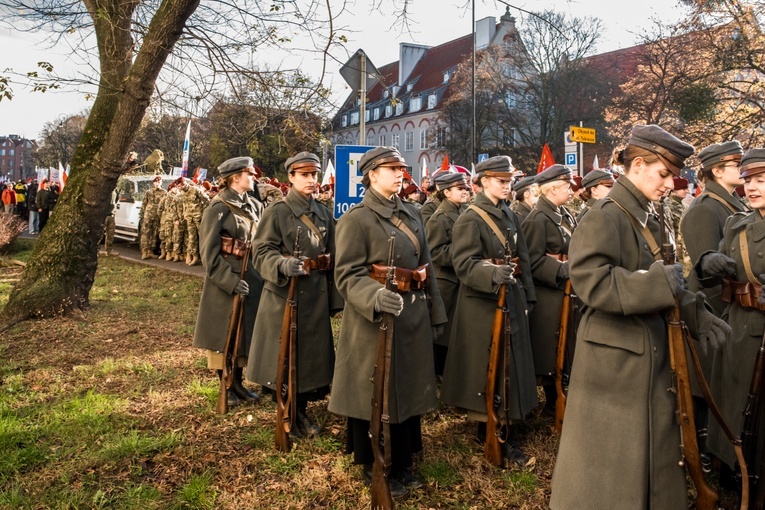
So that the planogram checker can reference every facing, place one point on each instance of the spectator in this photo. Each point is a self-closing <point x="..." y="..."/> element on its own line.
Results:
<point x="9" y="198"/>
<point x="34" y="215"/>
<point x="41" y="201"/>
<point x="21" y="197"/>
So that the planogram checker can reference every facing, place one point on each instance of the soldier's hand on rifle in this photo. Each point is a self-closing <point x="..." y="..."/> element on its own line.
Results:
<point x="502" y="274"/>
<point x="718" y="265"/>
<point x="674" y="274"/>
<point x="290" y="266"/>
<point x="387" y="301"/>
<point x="242" y="288"/>
<point x="711" y="328"/>
<point x="563" y="271"/>
<point x="436" y="331"/>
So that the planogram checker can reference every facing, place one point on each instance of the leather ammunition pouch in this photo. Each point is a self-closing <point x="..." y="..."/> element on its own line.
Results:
<point x="232" y="246"/>
<point x="514" y="260"/>
<point x="406" y="279"/>
<point x="562" y="257"/>
<point x="323" y="262"/>
<point x="743" y="293"/>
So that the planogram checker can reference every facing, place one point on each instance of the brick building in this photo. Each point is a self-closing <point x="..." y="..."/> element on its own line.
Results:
<point x="16" y="157"/>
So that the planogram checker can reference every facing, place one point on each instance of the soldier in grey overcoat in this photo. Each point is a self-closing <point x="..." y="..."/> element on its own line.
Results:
<point x="477" y="254"/>
<point x="595" y="185"/>
<point x="620" y="443"/>
<point x="453" y="193"/>
<point x="734" y="363"/>
<point x="362" y="240"/>
<point x="548" y="230"/>
<point x="233" y="214"/>
<point x="316" y="295"/>
<point x="526" y="195"/>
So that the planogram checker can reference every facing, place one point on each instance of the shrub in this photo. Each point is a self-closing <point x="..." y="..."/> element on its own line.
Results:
<point x="11" y="226"/>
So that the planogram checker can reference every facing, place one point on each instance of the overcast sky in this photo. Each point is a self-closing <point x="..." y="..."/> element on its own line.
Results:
<point x="432" y="22"/>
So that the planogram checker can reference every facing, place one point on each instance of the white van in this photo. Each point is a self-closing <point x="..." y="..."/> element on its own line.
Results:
<point x="127" y="199"/>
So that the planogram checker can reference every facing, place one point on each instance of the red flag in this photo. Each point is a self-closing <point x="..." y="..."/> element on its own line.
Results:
<point x="546" y="161"/>
<point x="445" y="163"/>
<point x="407" y="176"/>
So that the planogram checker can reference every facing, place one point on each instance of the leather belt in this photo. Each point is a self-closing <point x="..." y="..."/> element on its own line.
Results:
<point x="743" y="293"/>
<point x="562" y="257"/>
<point x="323" y="262"/>
<point x="514" y="260"/>
<point x="406" y="279"/>
<point x="232" y="246"/>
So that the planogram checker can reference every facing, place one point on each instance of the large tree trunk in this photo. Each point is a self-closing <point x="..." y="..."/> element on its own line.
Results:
<point x="60" y="273"/>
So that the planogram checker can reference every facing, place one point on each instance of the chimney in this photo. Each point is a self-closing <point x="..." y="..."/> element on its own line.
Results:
<point x="484" y="31"/>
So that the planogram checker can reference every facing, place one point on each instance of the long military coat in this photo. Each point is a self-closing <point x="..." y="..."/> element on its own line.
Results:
<point x="428" y="208"/>
<point x="619" y="449"/>
<point x="467" y="361"/>
<point x="362" y="240"/>
<point x="547" y="230"/>
<point x="586" y="207"/>
<point x="702" y="229"/>
<point x="732" y="372"/>
<point x="439" y="231"/>
<point x="227" y="215"/>
<point x="521" y="210"/>
<point x="317" y="297"/>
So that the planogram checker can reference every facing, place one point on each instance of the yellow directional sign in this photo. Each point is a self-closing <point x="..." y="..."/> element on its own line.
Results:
<point x="582" y="135"/>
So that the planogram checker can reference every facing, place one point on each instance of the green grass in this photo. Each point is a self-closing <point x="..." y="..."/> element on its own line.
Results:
<point x="440" y="472"/>
<point x="137" y="444"/>
<point x="206" y="389"/>
<point x="197" y="493"/>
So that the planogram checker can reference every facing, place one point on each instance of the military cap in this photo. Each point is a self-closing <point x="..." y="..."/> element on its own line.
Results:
<point x="596" y="177"/>
<point x="497" y="166"/>
<point x="671" y="150"/>
<point x="720" y="152"/>
<point x="448" y="180"/>
<point x="554" y="173"/>
<point x="753" y="162"/>
<point x="523" y="184"/>
<point x="157" y="178"/>
<point x="380" y="156"/>
<point x="680" y="183"/>
<point x="235" y="165"/>
<point x="304" y="161"/>
<point x="411" y="189"/>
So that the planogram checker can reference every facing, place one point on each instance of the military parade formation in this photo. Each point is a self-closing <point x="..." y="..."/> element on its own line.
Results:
<point x="499" y="295"/>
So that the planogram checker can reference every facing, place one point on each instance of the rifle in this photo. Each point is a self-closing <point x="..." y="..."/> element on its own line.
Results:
<point x="706" y="498"/>
<point x="501" y="335"/>
<point x="286" y="371"/>
<point x="379" y="427"/>
<point x="234" y="334"/>
<point x="752" y="415"/>
<point x="560" y="402"/>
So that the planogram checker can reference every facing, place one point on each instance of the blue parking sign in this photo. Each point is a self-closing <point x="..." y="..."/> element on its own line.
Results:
<point x="571" y="159"/>
<point x="348" y="188"/>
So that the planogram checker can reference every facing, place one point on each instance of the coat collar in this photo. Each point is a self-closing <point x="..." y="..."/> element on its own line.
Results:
<point x="713" y="188"/>
<point x="547" y="207"/>
<point x="498" y="211"/>
<point x="385" y="207"/>
<point x="301" y="205"/>
<point x="451" y="209"/>
<point x="631" y="199"/>
<point x="244" y="203"/>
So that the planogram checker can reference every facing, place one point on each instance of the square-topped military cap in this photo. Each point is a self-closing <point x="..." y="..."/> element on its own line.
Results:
<point x="497" y="166"/>
<point x="671" y="150"/>
<point x="523" y="184"/>
<point x="235" y="165"/>
<point x="720" y="152"/>
<point x="447" y="180"/>
<point x="380" y="156"/>
<point x="680" y="183"/>
<point x="303" y="162"/>
<point x="752" y="163"/>
<point x="555" y="173"/>
<point x="596" y="177"/>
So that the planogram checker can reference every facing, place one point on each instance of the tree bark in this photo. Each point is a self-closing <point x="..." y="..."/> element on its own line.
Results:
<point x="60" y="273"/>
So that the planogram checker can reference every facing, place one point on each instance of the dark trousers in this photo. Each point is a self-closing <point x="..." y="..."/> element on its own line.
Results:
<point x="44" y="218"/>
<point x="406" y="440"/>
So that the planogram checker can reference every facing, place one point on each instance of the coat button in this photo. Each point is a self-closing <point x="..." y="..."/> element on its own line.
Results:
<point x="759" y="254"/>
<point x="654" y="349"/>
<point x="417" y="229"/>
<point x="645" y="246"/>
<point x="398" y="257"/>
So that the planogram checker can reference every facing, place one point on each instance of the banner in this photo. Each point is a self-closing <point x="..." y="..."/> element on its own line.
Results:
<point x="329" y="175"/>
<point x="185" y="163"/>
<point x="546" y="161"/>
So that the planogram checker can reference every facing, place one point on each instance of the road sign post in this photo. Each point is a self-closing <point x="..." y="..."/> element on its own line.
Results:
<point x="582" y="134"/>
<point x="348" y="188"/>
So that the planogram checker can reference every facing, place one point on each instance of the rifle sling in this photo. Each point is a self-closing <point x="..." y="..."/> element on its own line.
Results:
<point x="644" y="231"/>
<point x="722" y="201"/>
<point x="406" y="230"/>
<point x="491" y="223"/>
<point x="744" y="246"/>
<point x="312" y="227"/>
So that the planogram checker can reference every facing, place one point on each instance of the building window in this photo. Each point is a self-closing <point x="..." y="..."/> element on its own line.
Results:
<point x="399" y="108"/>
<point x="388" y="111"/>
<point x="11" y="152"/>
<point x="354" y="118"/>
<point x="395" y="140"/>
<point x="432" y="98"/>
<point x="2" y="152"/>
<point x="385" y="94"/>
<point x="409" y="141"/>
<point x="343" y="121"/>
<point x="440" y="136"/>
<point x="423" y="139"/>
<point x="366" y="115"/>
<point x="415" y="104"/>
<point x="377" y="113"/>
<point x="383" y="140"/>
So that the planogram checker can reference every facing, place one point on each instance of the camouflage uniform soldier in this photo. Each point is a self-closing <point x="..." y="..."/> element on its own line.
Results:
<point x="179" y="223"/>
<point x="109" y="229"/>
<point x="269" y="193"/>
<point x="149" y="219"/>
<point x="194" y="203"/>
<point x="677" y="209"/>
<point x="167" y="221"/>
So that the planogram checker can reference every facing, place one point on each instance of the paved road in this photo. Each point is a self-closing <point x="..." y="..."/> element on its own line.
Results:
<point x="131" y="251"/>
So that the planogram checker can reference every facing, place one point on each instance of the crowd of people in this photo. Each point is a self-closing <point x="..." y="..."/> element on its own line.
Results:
<point x="31" y="201"/>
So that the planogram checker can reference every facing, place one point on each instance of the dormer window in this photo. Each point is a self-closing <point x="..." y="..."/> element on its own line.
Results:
<point x="343" y="121"/>
<point x="385" y="94"/>
<point x="388" y="111"/>
<point x="377" y="113"/>
<point x="409" y="86"/>
<point x="432" y="99"/>
<point x="366" y="115"/>
<point x="446" y="76"/>
<point x="354" y="118"/>
<point x="357" y="103"/>
<point x="415" y="104"/>
<point x="399" y="108"/>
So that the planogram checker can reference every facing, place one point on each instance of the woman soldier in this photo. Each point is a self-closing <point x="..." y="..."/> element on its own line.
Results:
<point x="595" y="185"/>
<point x="526" y="197"/>
<point x="479" y="239"/>
<point x="229" y="221"/>
<point x="363" y="235"/>
<point x="317" y="298"/>
<point x="620" y="444"/>
<point x="548" y="230"/>
<point x="453" y="194"/>
<point x="738" y="268"/>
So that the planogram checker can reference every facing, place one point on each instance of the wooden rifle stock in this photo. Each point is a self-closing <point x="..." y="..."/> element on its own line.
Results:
<point x="379" y="426"/>
<point x="233" y="337"/>
<point x="492" y="447"/>
<point x="706" y="498"/>
<point x="286" y="369"/>
<point x="560" y="402"/>
<point x="752" y="416"/>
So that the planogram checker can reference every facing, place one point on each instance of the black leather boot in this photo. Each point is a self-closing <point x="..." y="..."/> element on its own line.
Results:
<point x="231" y="397"/>
<point x="242" y="392"/>
<point x="306" y="424"/>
